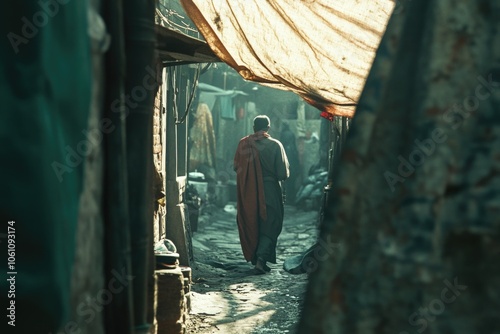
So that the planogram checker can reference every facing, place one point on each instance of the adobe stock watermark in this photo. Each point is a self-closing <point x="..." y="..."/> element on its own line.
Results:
<point x="30" y="27"/>
<point x="247" y="149"/>
<point x="322" y="251"/>
<point x="454" y="117"/>
<point x="90" y="307"/>
<point x="75" y="156"/>
<point x="424" y="315"/>
<point x="227" y="173"/>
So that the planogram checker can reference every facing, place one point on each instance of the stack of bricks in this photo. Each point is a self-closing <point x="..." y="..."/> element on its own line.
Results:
<point x="157" y="148"/>
<point x="172" y="310"/>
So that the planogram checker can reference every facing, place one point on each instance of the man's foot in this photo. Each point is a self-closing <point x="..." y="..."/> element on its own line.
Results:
<point x="261" y="266"/>
<point x="256" y="271"/>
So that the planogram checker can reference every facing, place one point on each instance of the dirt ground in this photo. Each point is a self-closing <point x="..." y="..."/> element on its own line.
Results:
<point x="225" y="297"/>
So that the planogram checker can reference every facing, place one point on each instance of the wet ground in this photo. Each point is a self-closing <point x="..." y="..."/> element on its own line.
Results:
<point x="226" y="298"/>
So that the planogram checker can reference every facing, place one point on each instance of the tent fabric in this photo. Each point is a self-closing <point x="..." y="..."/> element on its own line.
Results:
<point x="416" y="198"/>
<point x="321" y="50"/>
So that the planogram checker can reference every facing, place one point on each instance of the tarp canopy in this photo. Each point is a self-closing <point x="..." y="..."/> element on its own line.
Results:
<point x="321" y="50"/>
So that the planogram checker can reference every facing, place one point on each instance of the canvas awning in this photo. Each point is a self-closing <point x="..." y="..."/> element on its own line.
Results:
<point x="321" y="50"/>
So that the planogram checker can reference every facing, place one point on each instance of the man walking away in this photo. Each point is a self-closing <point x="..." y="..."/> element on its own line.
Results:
<point x="260" y="163"/>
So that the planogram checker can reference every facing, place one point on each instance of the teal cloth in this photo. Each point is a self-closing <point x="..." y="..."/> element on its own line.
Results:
<point x="227" y="107"/>
<point x="45" y="78"/>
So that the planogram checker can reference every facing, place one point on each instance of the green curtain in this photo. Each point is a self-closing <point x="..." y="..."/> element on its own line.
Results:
<point x="44" y="93"/>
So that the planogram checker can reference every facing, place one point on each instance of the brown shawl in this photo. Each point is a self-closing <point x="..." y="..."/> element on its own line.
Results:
<point x="251" y="203"/>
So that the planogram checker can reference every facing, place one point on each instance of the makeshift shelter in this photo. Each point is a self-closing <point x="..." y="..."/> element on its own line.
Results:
<point x="321" y="50"/>
<point x="410" y="240"/>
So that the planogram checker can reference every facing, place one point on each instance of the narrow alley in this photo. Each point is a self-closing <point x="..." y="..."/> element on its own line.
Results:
<point x="225" y="297"/>
<point x="151" y="148"/>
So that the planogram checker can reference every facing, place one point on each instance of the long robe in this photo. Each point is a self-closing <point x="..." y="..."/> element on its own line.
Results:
<point x="260" y="163"/>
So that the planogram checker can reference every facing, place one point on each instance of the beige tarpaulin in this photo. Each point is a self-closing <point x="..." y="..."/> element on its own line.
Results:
<point x="320" y="49"/>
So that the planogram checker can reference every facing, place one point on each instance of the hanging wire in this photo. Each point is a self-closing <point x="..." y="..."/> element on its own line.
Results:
<point x="199" y="70"/>
<point x="191" y="97"/>
<point x="171" y="74"/>
<point x="168" y="16"/>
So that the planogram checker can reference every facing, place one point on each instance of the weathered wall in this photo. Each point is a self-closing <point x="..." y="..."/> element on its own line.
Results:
<point x="159" y="210"/>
